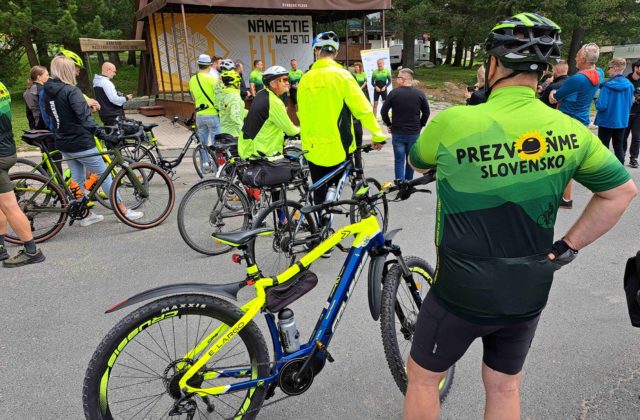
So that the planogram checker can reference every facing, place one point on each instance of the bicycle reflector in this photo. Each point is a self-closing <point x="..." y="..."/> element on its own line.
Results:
<point x="236" y="258"/>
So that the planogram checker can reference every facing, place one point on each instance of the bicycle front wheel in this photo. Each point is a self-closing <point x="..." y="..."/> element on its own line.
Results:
<point x="212" y="206"/>
<point x="44" y="204"/>
<point x="401" y="302"/>
<point x="151" y="193"/>
<point x="135" y="370"/>
<point x="137" y="152"/>
<point x="293" y="234"/>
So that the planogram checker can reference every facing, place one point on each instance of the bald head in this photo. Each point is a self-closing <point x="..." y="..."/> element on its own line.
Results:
<point x="560" y="69"/>
<point x="108" y="70"/>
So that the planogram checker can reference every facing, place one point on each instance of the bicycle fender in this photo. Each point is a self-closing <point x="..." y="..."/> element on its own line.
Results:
<point x="376" y="268"/>
<point x="229" y="290"/>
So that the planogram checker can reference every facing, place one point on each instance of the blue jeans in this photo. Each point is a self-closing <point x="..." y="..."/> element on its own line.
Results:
<point x="208" y="127"/>
<point x="401" y="147"/>
<point x="93" y="164"/>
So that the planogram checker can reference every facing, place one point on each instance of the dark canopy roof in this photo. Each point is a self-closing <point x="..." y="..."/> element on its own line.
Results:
<point x="322" y="10"/>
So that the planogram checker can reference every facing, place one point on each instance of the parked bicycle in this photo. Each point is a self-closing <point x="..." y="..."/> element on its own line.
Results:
<point x="143" y="147"/>
<point x="294" y="232"/>
<point x="196" y="354"/>
<point x="224" y="204"/>
<point x="48" y="204"/>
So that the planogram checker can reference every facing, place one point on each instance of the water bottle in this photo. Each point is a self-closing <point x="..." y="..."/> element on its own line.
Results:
<point x="331" y="194"/>
<point x="288" y="331"/>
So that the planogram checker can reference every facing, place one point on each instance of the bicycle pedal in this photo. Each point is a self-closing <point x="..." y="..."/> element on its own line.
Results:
<point x="324" y="350"/>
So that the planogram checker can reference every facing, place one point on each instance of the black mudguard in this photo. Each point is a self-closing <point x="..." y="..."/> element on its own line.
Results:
<point x="229" y="290"/>
<point x="377" y="271"/>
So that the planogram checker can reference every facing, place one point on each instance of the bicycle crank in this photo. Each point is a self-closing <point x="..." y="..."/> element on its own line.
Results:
<point x="292" y="380"/>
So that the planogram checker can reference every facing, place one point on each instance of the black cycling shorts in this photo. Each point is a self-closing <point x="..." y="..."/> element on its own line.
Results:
<point x="382" y="94"/>
<point x="442" y="338"/>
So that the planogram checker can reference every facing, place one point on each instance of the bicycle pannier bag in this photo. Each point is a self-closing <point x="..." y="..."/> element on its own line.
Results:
<point x="632" y="288"/>
<point x="278" y="297"/>
<point x="266" y="173"/>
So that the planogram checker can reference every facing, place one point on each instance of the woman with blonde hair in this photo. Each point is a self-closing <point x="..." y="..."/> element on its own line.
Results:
<point x="476" y="94"/>
<point x="74" y="129"/>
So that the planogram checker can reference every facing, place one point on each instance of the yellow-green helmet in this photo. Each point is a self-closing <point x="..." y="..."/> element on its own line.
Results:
<point x="231" y="78"/>
<point x="73" y="57"/>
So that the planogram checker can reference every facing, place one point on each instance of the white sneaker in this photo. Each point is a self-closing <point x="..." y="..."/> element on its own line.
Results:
<point x="133" y="215"/>
<point x="91" y="219"/>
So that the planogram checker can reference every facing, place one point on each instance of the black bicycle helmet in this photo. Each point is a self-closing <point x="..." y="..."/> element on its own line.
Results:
<point x="525" y="42"/>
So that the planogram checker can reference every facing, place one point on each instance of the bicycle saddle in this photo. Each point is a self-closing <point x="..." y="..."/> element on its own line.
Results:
<point x="221" y="147"/>
<point x="37" y="138"/>
<point x="149" y="126"/>
<point x="241" y="238"/>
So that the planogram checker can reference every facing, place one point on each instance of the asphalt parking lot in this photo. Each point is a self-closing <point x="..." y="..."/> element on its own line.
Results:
<point x="584" y="362"/>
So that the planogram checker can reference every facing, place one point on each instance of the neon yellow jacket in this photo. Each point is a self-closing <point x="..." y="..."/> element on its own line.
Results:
<point x="328" y="98"/>
<point x="265" y="126"/>
<point x="209" y="85"/>
<point x="231" y="110"/>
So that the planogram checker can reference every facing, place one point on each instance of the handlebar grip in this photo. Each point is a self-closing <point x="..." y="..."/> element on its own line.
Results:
<point x="423" y="180"/>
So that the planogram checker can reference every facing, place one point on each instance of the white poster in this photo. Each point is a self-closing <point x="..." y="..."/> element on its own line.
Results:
<point x="273" y="39"/>
<point x="370" y="63"/>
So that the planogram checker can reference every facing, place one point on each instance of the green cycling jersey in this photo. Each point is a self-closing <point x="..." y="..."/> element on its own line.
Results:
<point x="7" y="143"/>
<point x="381" y="78"/>
<point x="294" y="77"/>
<point x="255" y="77"/>
<point x="501" y="169"/>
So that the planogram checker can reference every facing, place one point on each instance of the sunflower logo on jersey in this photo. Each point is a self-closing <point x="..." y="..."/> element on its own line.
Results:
<point x="531" y="146"/>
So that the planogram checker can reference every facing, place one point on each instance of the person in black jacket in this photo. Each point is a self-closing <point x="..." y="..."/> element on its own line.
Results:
<point x="110" y="100"/>
<point x="633" y="127"/>
<point x="410" y="113"/>
<point x="74" y="129"/>
<point x="560" y="75"/>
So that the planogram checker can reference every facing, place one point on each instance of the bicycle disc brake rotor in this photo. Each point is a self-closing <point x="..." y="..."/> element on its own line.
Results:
<point x="288" y="382"/>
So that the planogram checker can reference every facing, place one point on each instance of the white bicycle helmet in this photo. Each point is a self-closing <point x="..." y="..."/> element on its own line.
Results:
<point x="227" y="64"/>
<point x="273" y="73"/>
<point x="328" y="41"/>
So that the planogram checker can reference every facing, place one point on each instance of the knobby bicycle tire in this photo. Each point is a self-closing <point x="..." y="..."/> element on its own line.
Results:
<point x="398" y="343"/>
<point x="382" y="206"/>
<point x="274" y="253"/>
<point x="204" y="210"/>
<point x="35" y="206"/>
<point x="156" y="207"/>
<point x="121" y="378"/>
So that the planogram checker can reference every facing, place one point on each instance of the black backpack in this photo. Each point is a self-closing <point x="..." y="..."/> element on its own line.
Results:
<point x="632" y="288"/>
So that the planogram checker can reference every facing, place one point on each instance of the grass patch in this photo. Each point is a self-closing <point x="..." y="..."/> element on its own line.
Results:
<point x="434" y="78"/>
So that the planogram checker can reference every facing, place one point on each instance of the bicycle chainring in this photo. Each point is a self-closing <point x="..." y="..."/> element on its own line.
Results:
<point x="288" y="384"/>
<point x="78" y="209"/>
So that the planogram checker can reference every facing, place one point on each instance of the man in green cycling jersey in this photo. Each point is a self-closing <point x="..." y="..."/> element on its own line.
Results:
<point x="230" y="105"/>
<point x="267" y="121"/>
<point x="328" y="100"/>
<point x="380" y="80"/>
<point x="295" y="74"/>
<point x="255" y="78"/>
<point x="501" y="168"/>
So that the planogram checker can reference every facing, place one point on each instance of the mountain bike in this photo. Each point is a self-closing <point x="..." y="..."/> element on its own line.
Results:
<point x="52" y="157"/>
<point x="48" y="204"/>
<point x="193" y="354"/>
<point x="294" y="232"/>
<point x="223" y="204"/>
<point x="143" y="147"/>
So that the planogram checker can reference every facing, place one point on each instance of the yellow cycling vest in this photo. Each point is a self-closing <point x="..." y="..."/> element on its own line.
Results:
<point x="209" y="85"/>
<point x="328" y="98"/>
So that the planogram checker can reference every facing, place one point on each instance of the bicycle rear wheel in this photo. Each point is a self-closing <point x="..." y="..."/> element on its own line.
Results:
<point x="293" y="234"/>
<point x="203" y="161"/>
<point x="137" y="152"/>
<point x="401" y="302"/>
<point x="135" y="370"/>
<point x="155" y="199"/>
<point x="46" y="209"/>
<point x="212" y="206"/>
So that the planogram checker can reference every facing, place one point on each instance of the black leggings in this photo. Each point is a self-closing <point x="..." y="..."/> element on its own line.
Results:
<point x="617" y="135"/>
<point x="317" y="172"/>
<point x="634" y="129"/>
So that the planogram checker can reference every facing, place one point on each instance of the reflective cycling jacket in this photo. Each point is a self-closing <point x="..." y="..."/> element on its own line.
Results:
<point x="328" y="99"/>
<point x="208" y="84"/>
<point x="231" y="110"/>
<point x="501" y="169"/>
<point x="265" y="126"/>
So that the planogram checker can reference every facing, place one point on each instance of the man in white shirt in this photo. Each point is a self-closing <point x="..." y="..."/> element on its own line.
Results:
<point x="214" y="71"/>
<point x="111" y="101"/>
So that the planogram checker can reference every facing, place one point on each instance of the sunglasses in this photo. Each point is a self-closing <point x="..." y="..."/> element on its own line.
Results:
<point x="284" y="80"/>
